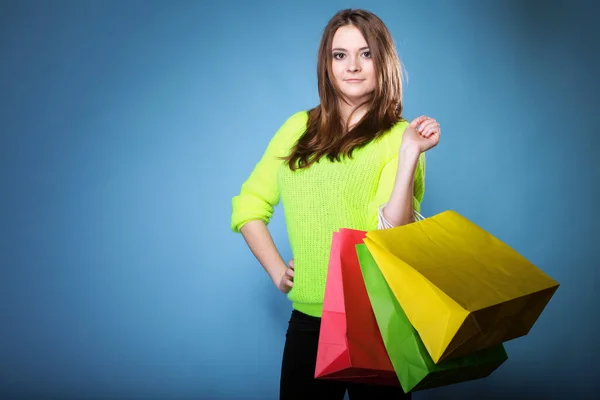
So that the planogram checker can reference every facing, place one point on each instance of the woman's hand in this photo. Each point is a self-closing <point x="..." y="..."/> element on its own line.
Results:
<point x="287" y="279"/>
<point x="424" y="135"/>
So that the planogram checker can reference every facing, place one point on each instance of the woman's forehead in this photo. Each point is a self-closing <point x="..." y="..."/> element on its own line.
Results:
<point x="348" y="37"/>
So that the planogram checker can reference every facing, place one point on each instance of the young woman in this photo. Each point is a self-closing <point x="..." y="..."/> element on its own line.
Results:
<point x="350" y="162"/>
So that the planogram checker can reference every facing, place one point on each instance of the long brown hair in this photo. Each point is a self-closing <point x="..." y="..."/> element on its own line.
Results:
<point x="326" y="134"/>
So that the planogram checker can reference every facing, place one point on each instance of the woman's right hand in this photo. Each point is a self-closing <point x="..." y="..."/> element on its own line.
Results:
<point x="287" y="279"/>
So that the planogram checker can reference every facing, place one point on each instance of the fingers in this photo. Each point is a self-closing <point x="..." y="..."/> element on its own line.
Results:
<point x="430" y="131"/>
<point x="428" y="128"/>
<point x="289" y="272"/>
<point x="288" y="277"/>
<point x="287" y="280"/>
<point x="417" y="121"/>
<point x="428" y="122"/>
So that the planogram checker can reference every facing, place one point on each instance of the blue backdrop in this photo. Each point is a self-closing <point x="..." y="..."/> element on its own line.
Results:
<point x="126" y="128"/>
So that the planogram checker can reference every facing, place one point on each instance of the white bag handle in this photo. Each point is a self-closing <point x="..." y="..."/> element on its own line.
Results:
<point x="382" y="223"/>
<point x="418" y="216"/>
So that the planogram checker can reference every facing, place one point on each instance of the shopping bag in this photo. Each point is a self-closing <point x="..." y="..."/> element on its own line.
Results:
<point x="350" y="346"/>
<point x="412" y="363"/>
<point x="461" y="288"/>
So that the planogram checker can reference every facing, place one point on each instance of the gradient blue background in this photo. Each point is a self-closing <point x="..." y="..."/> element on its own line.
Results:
<point x="126" y="128"/>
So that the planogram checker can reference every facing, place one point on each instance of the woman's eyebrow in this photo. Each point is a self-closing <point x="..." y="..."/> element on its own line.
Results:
<point x="341" y="49"/>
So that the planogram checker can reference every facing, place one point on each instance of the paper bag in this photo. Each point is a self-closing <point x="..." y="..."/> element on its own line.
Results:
<point x="461" y="288"/>
<point x="412" y="363"/>
<point x="350" y="346"/>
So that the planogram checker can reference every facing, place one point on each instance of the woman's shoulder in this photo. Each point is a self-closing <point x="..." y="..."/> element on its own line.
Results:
<point x="294" y="125"/>
<point x="397" y="130"/>
<point x="289" y="131"/>
<point x="297" y="119"/>
<point x="393" y="137"/>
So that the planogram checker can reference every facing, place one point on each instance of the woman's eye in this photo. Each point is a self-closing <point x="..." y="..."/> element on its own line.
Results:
<point x="338" y="56"/>
<point x="367" y="54"/>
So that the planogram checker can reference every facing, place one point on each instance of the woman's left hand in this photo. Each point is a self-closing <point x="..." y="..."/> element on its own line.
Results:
<point x="426" y="134"/>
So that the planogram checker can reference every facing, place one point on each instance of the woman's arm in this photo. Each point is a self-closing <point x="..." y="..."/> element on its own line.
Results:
<point x="422" y="134"/>
<point x="261" y="244"/>
<point x="253" y="207"/>
<point x="399" y="208"/>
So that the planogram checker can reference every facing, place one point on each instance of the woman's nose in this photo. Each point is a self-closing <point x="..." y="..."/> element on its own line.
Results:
<point x="353" y="64"/>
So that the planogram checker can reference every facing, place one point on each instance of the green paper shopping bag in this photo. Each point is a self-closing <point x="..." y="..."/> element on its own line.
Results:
<point x="412" y="363"/>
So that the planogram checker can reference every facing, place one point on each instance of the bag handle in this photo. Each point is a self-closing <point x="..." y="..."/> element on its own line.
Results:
<point x="418" y="216"/>
<point x="382" y="223"/>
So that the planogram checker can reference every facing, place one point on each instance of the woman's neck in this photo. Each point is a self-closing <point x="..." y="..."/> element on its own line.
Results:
<point x="351" y="120"/>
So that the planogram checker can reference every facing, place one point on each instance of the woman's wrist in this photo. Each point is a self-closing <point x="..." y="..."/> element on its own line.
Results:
<point x="277" y="272"/>
<point x="407" y="164"/>
<point x="409" y="154"/>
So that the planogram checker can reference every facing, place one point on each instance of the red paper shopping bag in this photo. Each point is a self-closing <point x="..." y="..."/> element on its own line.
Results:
<point x="350" y="345"/>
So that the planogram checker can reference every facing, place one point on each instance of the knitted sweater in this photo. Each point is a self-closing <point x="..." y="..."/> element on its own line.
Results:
<point x="321" y="199"/>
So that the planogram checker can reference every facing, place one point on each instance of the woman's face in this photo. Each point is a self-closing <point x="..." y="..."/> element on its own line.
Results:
<point x="352" y="65"/>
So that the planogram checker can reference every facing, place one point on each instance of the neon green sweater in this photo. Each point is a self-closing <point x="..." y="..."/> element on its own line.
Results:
<point x="321" y="199"/>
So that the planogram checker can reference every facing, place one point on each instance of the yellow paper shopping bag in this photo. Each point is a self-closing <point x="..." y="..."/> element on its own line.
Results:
<point x="461" y="288"/>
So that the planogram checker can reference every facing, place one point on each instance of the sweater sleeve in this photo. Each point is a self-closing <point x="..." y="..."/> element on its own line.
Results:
<point x="259" y="194"/>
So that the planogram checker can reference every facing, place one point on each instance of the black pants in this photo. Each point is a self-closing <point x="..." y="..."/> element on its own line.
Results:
<point x="298" y="368"/>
